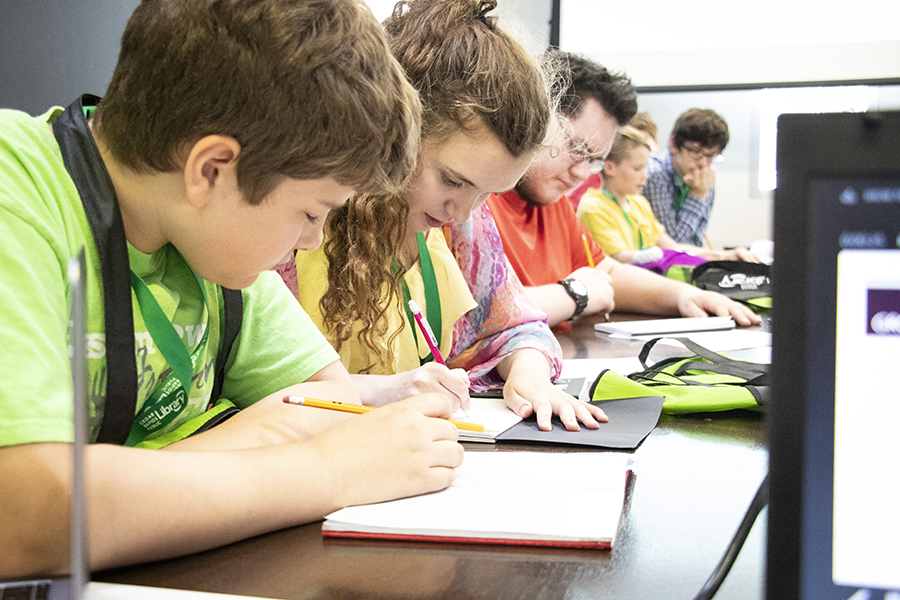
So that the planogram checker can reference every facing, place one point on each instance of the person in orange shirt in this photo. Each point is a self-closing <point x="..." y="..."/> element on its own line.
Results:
<point x="542" y="237"/>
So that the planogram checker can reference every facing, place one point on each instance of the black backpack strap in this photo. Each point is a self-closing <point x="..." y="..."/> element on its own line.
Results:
<point x="98" y="196"/>
<point x="644" y="355"/>
<point x="754" y="373"/>
<point x="85" y="165"/>
<point x="233" y="311"/>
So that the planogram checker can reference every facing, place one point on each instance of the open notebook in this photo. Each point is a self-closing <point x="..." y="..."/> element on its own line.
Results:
<point x="484" y="504"/>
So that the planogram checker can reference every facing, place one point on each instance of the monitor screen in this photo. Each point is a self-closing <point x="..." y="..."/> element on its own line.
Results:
<point x="834" y="522"/>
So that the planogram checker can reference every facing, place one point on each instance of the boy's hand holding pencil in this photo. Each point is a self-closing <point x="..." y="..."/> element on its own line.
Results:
<point x="402" y="449"/>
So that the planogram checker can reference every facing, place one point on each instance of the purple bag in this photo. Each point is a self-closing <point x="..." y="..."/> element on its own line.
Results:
<point x="674" y="258"/>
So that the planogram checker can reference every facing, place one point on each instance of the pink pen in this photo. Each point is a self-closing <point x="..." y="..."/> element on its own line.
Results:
<point x="425" y="328"/>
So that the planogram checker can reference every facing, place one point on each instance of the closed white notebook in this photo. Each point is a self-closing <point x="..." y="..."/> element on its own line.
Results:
<point x="665" y="326"/>
<point x="113" y="591"/>
<point x="493" y="501"/>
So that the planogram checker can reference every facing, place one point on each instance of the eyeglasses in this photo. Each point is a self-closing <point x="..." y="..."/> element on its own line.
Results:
<point x="579" y="153"/>
<point x="596" y="165"/>
<point x="699" y="154"/>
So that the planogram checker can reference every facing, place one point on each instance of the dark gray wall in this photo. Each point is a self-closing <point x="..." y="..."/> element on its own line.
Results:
<point x="53" y="50"/>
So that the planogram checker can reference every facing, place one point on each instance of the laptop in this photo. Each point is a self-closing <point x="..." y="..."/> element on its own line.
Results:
<point x="77" y="585"/>
<point x="73" y="586"/>
<point x="834" y="507"/>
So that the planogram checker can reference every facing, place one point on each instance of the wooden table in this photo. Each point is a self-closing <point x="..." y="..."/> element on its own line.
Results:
<point x="694" y="478"/>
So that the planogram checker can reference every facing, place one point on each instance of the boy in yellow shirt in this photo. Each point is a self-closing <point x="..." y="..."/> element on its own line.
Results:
<point x="620" y="218"/>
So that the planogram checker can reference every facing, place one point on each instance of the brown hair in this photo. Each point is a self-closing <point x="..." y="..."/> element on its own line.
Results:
<point x="644" y="122"/>
<point x="703" y="126"/>
<point x="627" y="139"/>
<point x="588" y="79"/>
<point x="469" y="74"/>
<point x="309" y="89"/>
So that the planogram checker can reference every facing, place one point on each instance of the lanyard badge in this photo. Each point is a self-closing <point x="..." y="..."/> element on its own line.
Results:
<point x="171" y="395"/>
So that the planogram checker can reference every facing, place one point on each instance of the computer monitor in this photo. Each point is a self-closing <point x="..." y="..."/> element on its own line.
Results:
<point x="834" y="507"/>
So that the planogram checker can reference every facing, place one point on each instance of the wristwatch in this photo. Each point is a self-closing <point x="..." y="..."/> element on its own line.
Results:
<point x="578" y="293"/>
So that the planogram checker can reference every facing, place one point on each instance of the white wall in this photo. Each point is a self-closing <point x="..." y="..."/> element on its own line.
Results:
<point x="532" y="16"/>
<point x="714" y="42"/>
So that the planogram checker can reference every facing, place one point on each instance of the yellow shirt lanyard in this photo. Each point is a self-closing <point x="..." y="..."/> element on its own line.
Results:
<point x="635" y="228"/>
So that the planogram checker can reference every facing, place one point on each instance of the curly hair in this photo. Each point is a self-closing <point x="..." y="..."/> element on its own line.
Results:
<point x="469" y="74"/>
<point x="361" y="239"/>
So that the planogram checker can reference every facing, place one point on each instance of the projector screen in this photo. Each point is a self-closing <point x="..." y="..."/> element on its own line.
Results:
<point x="666" y="45"/>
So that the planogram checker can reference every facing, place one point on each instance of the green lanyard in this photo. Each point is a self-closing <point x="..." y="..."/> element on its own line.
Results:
<point x="684" y="190"/>
<point x="171" y="395"/>
<point x="432" y="297"/>
<point x="636" y="234"/>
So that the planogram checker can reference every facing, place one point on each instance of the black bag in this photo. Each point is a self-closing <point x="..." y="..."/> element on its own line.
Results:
<point x="736" y="279"/>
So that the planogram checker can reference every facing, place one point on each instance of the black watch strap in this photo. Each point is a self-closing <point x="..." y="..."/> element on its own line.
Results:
<point x="579" y="296"/>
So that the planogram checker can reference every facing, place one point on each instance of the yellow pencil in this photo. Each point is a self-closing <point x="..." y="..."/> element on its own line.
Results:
<point x="359" y="409"/>
<point x="590" y="257"/>
<point x="587" y="251"/>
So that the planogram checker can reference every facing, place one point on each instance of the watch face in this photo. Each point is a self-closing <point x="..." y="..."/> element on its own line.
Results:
<point x="578" y="287"/>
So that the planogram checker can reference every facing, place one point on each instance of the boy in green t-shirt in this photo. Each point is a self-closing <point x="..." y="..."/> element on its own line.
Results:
<point x="228" y="132"/>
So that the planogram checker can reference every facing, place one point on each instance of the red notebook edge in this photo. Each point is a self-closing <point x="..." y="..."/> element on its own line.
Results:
<point x="403" y="537"/>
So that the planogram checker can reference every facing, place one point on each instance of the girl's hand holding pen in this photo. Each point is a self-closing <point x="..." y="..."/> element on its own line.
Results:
<point x="431" y="377"/>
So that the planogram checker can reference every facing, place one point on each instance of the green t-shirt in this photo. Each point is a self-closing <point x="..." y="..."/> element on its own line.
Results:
<point x="42" y="225"/>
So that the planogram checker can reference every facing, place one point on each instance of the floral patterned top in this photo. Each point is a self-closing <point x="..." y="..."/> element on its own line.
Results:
<point x="504" y="318"/>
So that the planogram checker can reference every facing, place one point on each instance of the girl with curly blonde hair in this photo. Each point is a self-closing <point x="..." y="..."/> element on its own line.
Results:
<point x="487" y="112"/>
